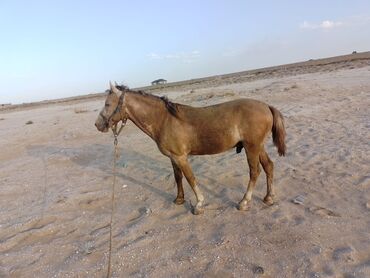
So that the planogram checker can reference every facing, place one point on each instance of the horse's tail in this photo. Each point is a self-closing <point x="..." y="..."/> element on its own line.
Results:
<point x="278" y="131"/>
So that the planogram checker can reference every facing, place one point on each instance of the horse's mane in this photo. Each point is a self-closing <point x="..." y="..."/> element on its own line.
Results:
<point x="171" y="106"/>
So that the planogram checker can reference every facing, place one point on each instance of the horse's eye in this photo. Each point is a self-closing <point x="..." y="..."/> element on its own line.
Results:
<point x="107" y="105"/>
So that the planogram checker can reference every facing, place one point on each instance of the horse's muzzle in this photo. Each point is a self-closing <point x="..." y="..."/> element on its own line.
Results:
<point x="102" y="126"/>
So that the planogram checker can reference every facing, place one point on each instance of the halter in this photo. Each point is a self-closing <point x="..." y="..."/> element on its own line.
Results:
<point x="114" y="127"/>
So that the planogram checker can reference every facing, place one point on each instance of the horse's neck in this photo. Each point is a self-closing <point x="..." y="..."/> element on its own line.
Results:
<point x="145" y="112"/>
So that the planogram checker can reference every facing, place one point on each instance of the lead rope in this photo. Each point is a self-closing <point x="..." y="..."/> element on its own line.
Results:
<point x="115" y="133"/>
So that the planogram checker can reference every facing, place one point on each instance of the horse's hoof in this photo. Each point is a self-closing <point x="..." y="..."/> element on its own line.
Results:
<point x="198" y="211"/>
<point x="268" y="200"/>
<point x="179" y="201"/>
<point x="243" y="206"/>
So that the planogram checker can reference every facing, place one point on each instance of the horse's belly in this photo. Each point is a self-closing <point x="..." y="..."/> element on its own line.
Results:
<point x="215" y="142"/>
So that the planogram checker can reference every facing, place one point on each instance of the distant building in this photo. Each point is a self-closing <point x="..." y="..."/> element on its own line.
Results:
<point x="159" y="81"/>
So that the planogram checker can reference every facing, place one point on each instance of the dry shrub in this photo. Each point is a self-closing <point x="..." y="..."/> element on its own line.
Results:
<point x="80" y="110"/>
<point x="294" y="86"/>
<point x="29" y="122"/>
<point x="228" y="94"/>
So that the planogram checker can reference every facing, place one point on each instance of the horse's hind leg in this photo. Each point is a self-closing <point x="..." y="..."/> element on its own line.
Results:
<point x="183" y="164"/>
<point x="268" y="167"/>
<point x="178" y="178"/>
<point x="253" y="152"/>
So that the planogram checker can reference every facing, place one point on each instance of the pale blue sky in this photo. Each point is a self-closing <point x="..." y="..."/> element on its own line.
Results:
<point x="52" y="49"/>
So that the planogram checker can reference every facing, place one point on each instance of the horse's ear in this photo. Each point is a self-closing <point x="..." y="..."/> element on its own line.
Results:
<point x="113" y="88"/>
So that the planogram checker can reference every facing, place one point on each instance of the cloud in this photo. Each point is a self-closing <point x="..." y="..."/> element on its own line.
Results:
<point x="324" y="25"/>
<point x="352" y="21"/>
<point x="154" y="56"/>
<point x="186" y="57"/>
<point x="327" y="24"/>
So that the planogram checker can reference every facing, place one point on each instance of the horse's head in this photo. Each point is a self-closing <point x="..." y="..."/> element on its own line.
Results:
<point x="113" y="111"/>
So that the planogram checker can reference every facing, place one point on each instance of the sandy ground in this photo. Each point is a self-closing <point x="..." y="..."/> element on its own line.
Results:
<point x="56" y="182"/>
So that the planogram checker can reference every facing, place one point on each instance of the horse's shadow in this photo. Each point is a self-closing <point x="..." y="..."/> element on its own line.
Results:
<point x="100" y="157"/>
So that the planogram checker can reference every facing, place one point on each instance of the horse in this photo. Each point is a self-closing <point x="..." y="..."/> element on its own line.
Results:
<point x="181" y="130"/>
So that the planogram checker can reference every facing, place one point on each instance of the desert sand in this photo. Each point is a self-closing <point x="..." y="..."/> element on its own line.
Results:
<point x="56" y="184"/>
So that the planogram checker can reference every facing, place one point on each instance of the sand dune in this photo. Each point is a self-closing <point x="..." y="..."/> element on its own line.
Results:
<point x="56" y="177"/>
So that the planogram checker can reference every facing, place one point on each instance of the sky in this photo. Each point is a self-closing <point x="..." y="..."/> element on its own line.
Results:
<point x="54" y="49"/>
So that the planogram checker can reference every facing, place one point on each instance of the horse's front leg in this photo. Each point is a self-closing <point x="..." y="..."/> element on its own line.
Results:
<point x="183" y="164"/>
<point x="178" y="178"/>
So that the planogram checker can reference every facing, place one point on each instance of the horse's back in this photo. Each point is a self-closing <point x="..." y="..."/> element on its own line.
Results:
<point x="219" y="127"/>
<point x="235" y="112"/>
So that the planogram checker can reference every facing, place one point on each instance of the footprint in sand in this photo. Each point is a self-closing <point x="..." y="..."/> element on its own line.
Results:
<point x="343" y="254"/>
<point x="140" y="213"/>
<point x="323" y="211"/>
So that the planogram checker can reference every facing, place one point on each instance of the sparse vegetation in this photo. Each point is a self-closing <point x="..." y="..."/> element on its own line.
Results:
<point x="80" y="110"/>
<point x="29" y="122"/>
<point x="228" y="94"/>
<point x="294" y="86"/>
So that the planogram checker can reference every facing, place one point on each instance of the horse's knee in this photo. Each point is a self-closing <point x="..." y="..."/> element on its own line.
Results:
<point x="178" y="178"/>
<point x="191" y="181"/>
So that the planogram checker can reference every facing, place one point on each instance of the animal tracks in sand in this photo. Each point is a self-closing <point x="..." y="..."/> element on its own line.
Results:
<point x="323" y="211"/>
<point x="35" y="231"/>
<point x="314" y="209"/>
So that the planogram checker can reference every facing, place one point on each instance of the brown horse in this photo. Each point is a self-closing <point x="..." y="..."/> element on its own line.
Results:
<point x="181" y="130"/>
